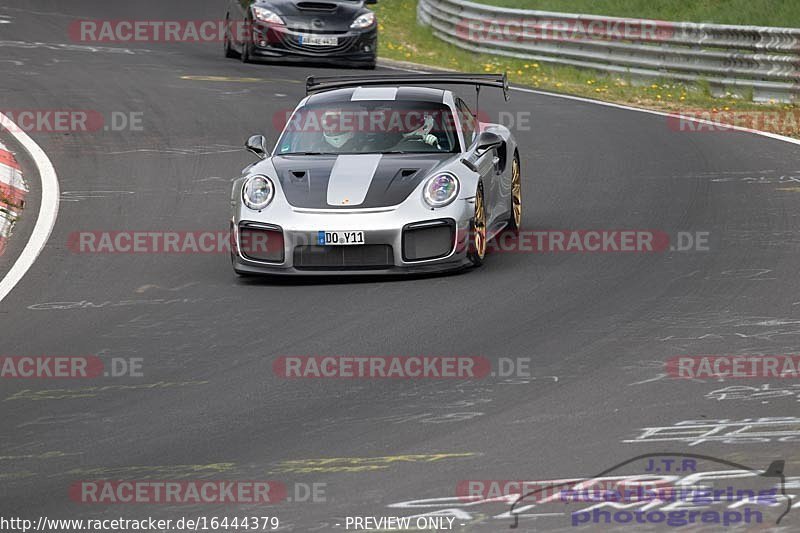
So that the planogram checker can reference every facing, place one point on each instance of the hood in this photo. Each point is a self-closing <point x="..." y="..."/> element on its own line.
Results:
<point x="348" y="181"/>
<point x="317" y="15"/>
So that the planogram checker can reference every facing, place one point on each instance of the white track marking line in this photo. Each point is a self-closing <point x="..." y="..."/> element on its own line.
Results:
<point x="422" y="70"/>
<point x="661" y="114"/>
<point x="48" y="211"/>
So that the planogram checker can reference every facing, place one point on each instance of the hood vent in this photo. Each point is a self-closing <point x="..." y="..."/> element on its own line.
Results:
<point x="408" y="172"/>
<point x="403" y="176"/>
<point x="316" y="6"/>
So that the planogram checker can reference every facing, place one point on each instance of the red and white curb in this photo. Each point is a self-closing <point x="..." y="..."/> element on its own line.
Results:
<point x="48" y="208"/>
<point x="12" y="194"/>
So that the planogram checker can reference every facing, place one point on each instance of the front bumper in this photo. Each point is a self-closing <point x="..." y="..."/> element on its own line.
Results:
<point x="355" y="47"/>
<point x="393" y="242"/>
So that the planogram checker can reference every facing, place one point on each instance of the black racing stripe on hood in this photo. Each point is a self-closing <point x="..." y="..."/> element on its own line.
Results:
<point x="304" y="179"/>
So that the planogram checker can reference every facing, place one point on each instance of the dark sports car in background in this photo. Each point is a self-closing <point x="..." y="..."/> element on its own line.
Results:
<point x="341" y="31"/>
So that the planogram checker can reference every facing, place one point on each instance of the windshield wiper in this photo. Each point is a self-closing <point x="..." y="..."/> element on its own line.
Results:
<point x="417" y="152"/>
<point x="310" y="153"/>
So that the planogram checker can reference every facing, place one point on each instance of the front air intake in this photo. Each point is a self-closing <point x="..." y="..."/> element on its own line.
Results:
<point x="261" y="242"/>
<point x="364" y="257"/>
<point x="316" y="6"/>
<point x="432" y="239"/>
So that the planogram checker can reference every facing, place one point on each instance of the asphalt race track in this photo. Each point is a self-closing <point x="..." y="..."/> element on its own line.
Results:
<point x="597" y="327"/>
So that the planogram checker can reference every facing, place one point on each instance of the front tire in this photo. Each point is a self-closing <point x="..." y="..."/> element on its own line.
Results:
<point x="477" y="234"/>
<point x="515" y="220"/>
<point x="246" y="55"/>
<point x="229" y="51"/>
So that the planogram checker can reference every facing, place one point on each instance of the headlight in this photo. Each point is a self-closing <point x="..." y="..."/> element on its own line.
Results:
<point x="258" y="192"/>
<point x="265" y="15"/>
<point x="364" y="21"/>
<point x="441" y="190"/>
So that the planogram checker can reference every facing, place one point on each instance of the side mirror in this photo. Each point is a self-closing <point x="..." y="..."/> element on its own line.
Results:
<point x="487" y="141"/>
<point x="257" y="144"/>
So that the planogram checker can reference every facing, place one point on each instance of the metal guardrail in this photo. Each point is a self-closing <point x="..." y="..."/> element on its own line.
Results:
<point x="765" y="60"/>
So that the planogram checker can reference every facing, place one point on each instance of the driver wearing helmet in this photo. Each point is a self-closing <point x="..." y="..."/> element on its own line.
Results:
<point x="337" y="132"/>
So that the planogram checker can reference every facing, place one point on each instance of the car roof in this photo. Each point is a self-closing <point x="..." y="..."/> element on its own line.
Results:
<point x="415" y="94"/>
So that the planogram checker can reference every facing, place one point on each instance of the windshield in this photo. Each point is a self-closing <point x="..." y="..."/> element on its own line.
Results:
<point x="370" y="127"/>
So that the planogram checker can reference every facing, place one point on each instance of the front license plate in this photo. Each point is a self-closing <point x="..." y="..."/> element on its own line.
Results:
<point x="319" y="40"/>
<point x="340" y="238"/>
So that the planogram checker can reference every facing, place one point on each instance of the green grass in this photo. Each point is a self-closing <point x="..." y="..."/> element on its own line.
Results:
<point x="785" y="13"/>
<point x="401" y="38"/>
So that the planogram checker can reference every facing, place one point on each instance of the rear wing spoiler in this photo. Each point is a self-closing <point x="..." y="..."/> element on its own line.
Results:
<point x="329" y="83"/>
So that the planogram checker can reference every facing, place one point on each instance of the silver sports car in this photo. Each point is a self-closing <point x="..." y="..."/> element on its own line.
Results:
<point x="377" y="175"/>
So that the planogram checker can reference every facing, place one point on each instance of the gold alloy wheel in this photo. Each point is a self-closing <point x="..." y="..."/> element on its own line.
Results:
<point x="516" y="193"/>
<point x="479" y="225"/>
